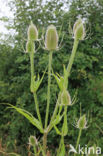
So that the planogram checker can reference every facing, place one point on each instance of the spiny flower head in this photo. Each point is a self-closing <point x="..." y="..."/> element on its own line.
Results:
<point x="51" y="38"/>
<point x="79" y="30"/>
<point x="33" y="140"/>
<point x="32" y="32"/>
<point x="82" y="122"/>
<point x="65" y="98"/>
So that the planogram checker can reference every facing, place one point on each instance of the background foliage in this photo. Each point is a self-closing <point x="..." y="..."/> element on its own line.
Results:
<point x="86" y="75"/>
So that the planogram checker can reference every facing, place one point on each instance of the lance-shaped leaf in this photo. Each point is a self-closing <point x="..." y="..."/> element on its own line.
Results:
<point x="60" y="80"/>
<point x="36" y="83"/>
<point x="28" y="116"/>
<point x="57" y="130"/>
<point x="56" y="121"/>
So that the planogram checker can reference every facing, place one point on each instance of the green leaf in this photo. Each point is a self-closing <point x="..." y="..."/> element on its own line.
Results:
<point x="60" y="80"/>
<point x="29" y="116"/>
<point x="56" y="121"/>
<point x="65" y="78"/>
<point x="57" y="130"/>
<point x="37" y="82"/>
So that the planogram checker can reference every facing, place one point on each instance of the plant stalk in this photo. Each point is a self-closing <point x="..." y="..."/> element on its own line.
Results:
<point x="48" y="93"/>
<point x="44" y="142"/>
<point x="80" y="132"/>
<point x="55" y="110"/>
<point x="35" y="152"/>
<point x="32" y="82"/>
<point x="72" y="56"/>
<point x="37" y="108"/>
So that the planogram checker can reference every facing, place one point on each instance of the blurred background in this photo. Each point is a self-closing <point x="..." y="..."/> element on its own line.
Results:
<point x="86" y="76"/>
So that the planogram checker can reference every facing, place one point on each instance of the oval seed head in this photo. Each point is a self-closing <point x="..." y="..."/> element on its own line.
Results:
<point x="82" y="122"/>
<point x="29" y="46"/>
<point x="32" y="32"/>
<point x="33" y="141"/>
<point x="78" y="30"/>
<point x="65" y="98"/>
<point x="51" y="38"/>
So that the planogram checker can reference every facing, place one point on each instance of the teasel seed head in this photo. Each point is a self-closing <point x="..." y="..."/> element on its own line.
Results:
<point x="32" y="32"/>
<point x="65" y="98"/>
<point x="33" y="141"/>
<point x="51" y="38"/>
<point x="82" y="122"/>
<point x="79" y="30"/>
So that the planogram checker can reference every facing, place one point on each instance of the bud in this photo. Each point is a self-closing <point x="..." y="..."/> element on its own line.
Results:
<point x="51" y="38"/>
<point x="81" y="124"/>
<point x="65" y="98"/>
<point x="78" y="30"/>
<point x="29" y="46"/>
<point x="33" y="140"/>
<point x="32" y="32"/>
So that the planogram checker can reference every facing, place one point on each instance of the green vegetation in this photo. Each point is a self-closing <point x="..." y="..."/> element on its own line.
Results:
<point x="86" y="79"/>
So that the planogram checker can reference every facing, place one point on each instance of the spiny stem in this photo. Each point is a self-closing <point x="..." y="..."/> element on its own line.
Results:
<point x="55" y="110"/>
<point x="32" y="82"/>
<point x="60" y="146"/>
<point x="72" y="56"/>
<point x="37" y="108"/>
<point x="32" y="64"/>
<point x="35" y="152"/>
<point x="44" y="142"/>
<point x="80" y="132"/>
<point x="48" y="93"/>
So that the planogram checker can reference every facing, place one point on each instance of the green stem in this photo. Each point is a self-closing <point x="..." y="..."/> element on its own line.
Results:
<point x="48" y="93"/>
<point x="32" y="82"/>
<point x="60" y="152"/>
<point x="80" y="132"/>
<point x="34" y="148"/>
<point x="55" y="110"/>
<point x="72" y="56"/>
<point x="32" y="66"/>
<point x="44" y="142"/>
<point x="65" y="126"/>
<point x="37" y="108"/>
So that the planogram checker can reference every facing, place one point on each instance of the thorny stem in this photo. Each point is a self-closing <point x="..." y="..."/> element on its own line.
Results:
<point x="44" y="142"/>
<point x="55" y="110"/>
<point x="48" y="101"/>
<point x="65" y="116"/>
<point x="80" y="132"/>
<point x="37" y="108"/>
<point x="32" y="82"/>
<point x="35" y="152"/>
<point x="60" y="146"/>
<point x="32" y="65"/>
<point x="48" y="93"/>
<point x="72" y="56"/>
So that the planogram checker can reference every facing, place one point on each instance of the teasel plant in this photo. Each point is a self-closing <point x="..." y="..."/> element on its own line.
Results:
<point x="64" y="99"/>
